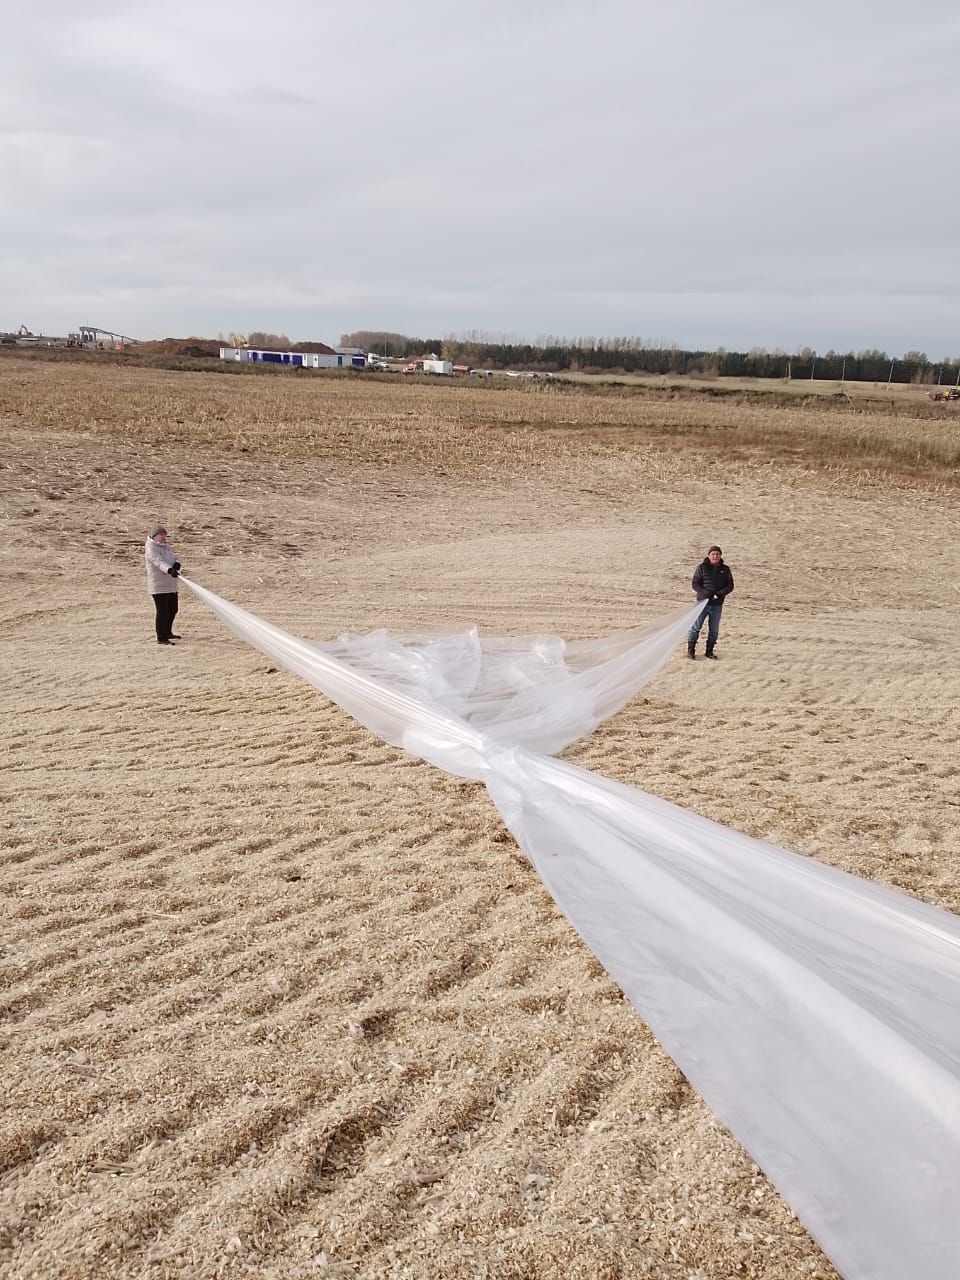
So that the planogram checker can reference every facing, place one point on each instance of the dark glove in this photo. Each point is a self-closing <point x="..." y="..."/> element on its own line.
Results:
<point x="174" y="571"/>
<point x="716" y="599"/>
<point x="176" y="565"/>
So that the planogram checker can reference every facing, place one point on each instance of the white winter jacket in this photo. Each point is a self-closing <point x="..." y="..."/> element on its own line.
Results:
<point x="159" y="557"/>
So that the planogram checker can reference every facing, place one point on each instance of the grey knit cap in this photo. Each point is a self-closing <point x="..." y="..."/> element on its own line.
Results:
<point x="157" y="528"/>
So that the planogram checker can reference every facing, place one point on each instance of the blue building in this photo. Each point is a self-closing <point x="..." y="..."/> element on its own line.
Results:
<point x="298" y="359"/>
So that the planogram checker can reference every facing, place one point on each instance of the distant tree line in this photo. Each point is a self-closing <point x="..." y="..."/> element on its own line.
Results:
<point x="636" y="355"/>
<point x="398" y="345"/>
<point x="265" y="341"/>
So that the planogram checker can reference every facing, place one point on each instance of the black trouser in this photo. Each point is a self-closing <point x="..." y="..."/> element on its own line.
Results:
<point x="167" y="603"/>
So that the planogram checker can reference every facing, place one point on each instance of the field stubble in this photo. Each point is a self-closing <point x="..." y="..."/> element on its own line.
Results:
<point x="281" y="1002"/>
<point x="486" y="426"/>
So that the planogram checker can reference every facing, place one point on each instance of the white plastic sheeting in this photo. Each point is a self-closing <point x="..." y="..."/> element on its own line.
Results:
<point x="816" y="1013"/>
<point x="448" y="698"/>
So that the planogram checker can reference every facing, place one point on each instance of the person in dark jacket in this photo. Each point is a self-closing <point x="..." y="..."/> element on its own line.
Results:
<point x="713" y="582"/>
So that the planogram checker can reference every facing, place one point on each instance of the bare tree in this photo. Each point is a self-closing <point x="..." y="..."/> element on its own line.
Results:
<point x="268" y="341"/>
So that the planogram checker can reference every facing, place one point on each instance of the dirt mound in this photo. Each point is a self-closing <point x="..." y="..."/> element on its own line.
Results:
<point x="318" y="348"/>
<point x="180" y="347"/>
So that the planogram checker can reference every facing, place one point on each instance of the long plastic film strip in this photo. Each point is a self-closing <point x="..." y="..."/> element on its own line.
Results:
<point x="818" y="1014"/>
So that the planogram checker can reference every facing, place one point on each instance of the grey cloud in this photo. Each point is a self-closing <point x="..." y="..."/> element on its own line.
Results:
<point x="273" y="96"/>
<point x="687" y="171"/>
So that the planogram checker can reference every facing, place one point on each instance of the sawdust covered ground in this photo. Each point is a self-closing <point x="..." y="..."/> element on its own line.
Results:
<point x="281" y="1002"/>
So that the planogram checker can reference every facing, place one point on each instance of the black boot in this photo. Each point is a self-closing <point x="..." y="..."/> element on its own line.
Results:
<point x="710" y="653"/>
<point x="691" y="648"/>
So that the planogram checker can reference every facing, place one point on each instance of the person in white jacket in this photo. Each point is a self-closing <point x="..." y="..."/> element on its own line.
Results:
<point x="163" y="569"/>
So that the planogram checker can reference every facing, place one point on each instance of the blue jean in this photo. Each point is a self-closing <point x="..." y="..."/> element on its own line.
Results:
<point x="711" y="612"/>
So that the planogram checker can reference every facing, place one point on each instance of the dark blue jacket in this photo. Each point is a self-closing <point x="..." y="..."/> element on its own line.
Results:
<point x="711" y="580"/>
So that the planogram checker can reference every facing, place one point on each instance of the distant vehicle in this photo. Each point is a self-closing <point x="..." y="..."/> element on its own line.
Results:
<point x="438" y="366"/>
<point x="943" y="394"/>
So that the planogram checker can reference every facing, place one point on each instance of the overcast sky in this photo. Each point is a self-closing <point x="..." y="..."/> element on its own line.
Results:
<point x="702" y="172"/>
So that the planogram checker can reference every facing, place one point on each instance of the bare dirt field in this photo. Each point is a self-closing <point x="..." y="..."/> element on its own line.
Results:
<point x="281" y="1002"/>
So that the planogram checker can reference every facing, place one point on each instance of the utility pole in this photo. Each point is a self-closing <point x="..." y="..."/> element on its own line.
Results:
<point x="890" y="374"/>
